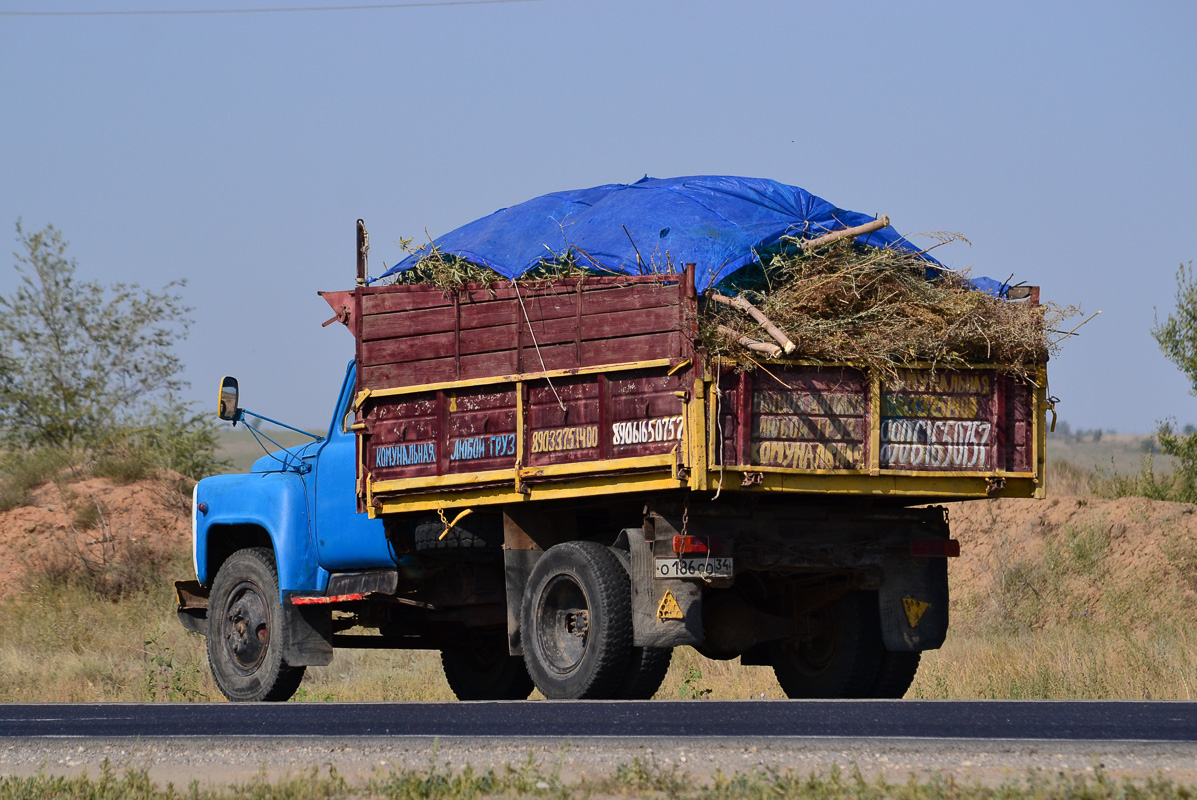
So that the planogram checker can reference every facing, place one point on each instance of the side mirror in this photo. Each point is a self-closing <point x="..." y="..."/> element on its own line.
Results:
<point x="227" y="407"/>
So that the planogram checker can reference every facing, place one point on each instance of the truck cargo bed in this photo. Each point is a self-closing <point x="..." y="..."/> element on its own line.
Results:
<point x="581" y="387"/>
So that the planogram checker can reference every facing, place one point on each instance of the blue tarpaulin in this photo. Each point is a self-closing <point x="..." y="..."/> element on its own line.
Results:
<point x="719" y="223"/>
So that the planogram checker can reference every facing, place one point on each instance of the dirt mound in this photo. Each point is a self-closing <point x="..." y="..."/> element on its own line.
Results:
<point x="1089" y="549"/>
<point x="1079" y="556"/>
<point x="92" y="524"/>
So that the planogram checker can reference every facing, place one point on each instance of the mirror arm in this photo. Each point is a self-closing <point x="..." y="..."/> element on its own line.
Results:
<point x="240" y="416"/>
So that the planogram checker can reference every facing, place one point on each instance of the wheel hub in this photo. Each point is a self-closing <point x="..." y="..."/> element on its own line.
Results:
<point x="246" y="628"/>
<point x="564" y="634"/>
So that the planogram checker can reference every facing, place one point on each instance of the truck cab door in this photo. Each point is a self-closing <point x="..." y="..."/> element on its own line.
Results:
<point x="345" y="539"/>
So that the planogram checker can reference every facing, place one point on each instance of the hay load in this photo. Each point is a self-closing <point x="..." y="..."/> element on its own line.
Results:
<point x="799" y="279"/>
<point x="880" y="307"/>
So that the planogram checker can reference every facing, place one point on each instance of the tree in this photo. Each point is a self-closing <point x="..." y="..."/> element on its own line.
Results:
<point x="1177" y="335"/>
<point x="78" y="360"/>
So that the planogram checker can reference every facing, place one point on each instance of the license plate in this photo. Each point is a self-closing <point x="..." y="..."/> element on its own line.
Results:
<point x="698" y="567"/>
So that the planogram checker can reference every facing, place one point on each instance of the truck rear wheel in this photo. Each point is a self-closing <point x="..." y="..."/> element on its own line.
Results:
<point x="245" y="630"/>
<point x="577" y="622"/>
<point x="897" y="672"/>
<point x="646" y="672"/>
<point x="486" y="672"/>
<point x="842" y="657"/>
<point x="647" y="666"/>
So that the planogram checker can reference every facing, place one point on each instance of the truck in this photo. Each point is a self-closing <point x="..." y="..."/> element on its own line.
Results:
<point x="554" y="484"/>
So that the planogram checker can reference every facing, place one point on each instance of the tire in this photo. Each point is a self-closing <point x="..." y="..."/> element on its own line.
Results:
<point x="576" y="622"/>
<point x="486" y="672"/>
<point x="843" y="657"/>
<point x="646" y="672"/>
<point x="647" y="666"/>
<point x="897" y="672"/>
<point x="246" y="630"/>
<point x="471" y="538"/>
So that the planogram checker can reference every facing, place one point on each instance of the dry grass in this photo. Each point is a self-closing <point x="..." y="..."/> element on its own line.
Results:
<point x="1044" y="631"/>
<point x="637" y="778"/>
<point x="882" y="308"/>
<point x="450" y="273"/>
<point x="1091" y="660"/>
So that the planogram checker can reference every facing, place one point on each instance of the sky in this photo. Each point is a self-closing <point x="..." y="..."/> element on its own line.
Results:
<point x="238" y="150"/>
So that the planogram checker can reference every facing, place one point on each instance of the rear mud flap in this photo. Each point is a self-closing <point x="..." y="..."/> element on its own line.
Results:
<point x="517" y="569"/>
<point x="665" y="612"/>
<point x="914" y="601"/>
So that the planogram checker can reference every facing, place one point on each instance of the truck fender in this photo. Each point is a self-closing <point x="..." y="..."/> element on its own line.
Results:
<point x="913" y="601"/>
<point x="274" y="503"/>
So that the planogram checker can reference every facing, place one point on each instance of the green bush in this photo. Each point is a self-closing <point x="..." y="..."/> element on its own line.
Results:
<point x="22" y="471"/>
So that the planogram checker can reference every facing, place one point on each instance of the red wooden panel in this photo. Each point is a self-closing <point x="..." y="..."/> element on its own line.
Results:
<point x="486" y="365"/>
<point x="560" y="437"/>
<point x="480" y="430"/>
<point x="405" y="349"/>
<point x="817" y="420"/>
<point x="630" y="298"/>
<point x="409" y="374"/>
<point x="489" y="340"/>
<point x="645" y="416"/>
<point x="408" y="323"/>
<point x="1020" y="415"/>
<point x="942" y="420"/>
<point x="620" y="319"/>
<point x="490" y="312"/>
<point x="728" y="410"/>
<point x="401" y="440"/>
<point x="631" y="348"/>
<point x="382" y="299"/>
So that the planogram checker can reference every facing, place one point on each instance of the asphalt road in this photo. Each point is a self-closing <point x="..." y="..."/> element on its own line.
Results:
<point x="1151" y="721"/>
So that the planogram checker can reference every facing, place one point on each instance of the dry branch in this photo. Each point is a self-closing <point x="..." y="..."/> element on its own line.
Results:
<point x="835" y="236"/>
<point x="748" y="308"/>
<point x="770" y="350"/>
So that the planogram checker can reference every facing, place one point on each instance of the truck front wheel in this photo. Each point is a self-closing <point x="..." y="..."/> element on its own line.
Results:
<point x="576" y="622"/>
<point x="245" y="630"/>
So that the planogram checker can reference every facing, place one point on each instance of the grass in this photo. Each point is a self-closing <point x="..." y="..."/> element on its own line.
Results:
<point x="105" y="631"/>
<point x="637" y="778"/>
<point x="22" y="471"/>
<point x="67" y="643"/>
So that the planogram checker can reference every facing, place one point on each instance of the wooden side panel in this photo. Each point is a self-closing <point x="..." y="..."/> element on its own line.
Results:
<point x="412" y="335"/>
<point x="480" y="430"/>
<point x="942" y="421"/>
<point x="402" y="438"/>
<point x="558" y="435"/>
<point x="646" y="416"/>
<point x="819" y="423"/>
<point x="818" y="418"/>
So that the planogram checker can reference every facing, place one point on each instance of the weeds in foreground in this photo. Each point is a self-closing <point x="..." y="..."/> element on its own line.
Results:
<point x="638" y="778"/>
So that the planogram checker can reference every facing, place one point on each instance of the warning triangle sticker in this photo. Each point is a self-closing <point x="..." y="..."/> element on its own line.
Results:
<point x="669" y="609"/>
<point x="914" y="610"/>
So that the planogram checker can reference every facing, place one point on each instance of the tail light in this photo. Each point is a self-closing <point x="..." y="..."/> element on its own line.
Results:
<point x="934" y="548"/>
